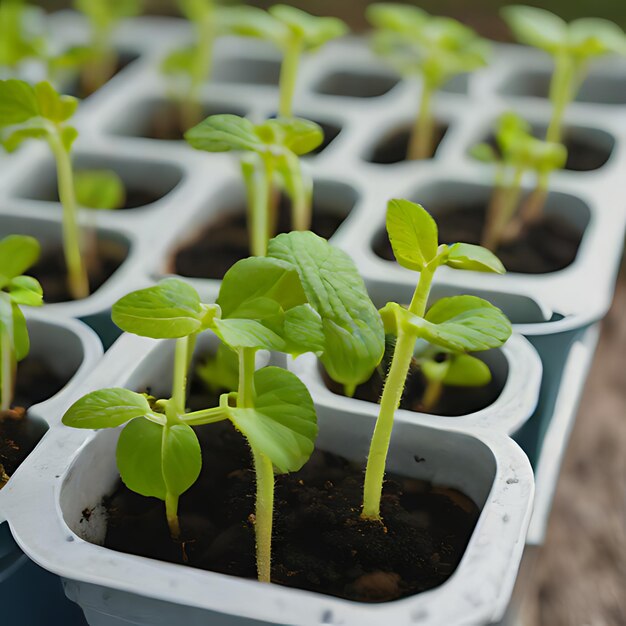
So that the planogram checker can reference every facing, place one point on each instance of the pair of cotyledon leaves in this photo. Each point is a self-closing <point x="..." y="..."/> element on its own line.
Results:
<point x="17" y="254"/>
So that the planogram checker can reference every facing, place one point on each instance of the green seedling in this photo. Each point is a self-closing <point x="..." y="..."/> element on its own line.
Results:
<point x="460" y="324"/>
<point x="518" y="153"/>
<point x="103" y="16"/>
<point x="188" y="68"/>
<point x="20" y="39"/>
<point x="304" y="296"/>
<point x="294" y="32"/>
<point x="572" y="45"/>
<point x="270" y="162"/>
<point x="39" y="112"/>
<point x="17" y="254"/>
<point x="433" y="48"/>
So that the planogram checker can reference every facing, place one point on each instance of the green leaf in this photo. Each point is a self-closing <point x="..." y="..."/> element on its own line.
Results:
<point x="220" y="371"/>
<point x="282" y="425"/>
<point x="353" y="333"/>
<point x="463" y="324"/>
<point x="251" y="282"/>
<point x="169" y="310"/>
<point x="104" y="13"/>
<point x="17" y="254"/>
<point x="247" y="333"/>
<point x="99" y="189"/>
<point x="68" y="136"/>
<point x="25" y="290"/>
<point x="21" y="340"/>
<point x="14" y="138"/>
<point x="484" y="152"/>
<point x="106" y="408"/>
<point x="590" y="37"/>
<point x="466" y="370"/>
<point x="139" y="458"/>
<point x="18" y="102"/>
<point x="248" y="21"/>
<point x="412" y="233"/>
<point x="182" y="458"/>
<point x="222" y="133"/>
<point x="536" y="27"/>
<point x="303" y="331"/>
<point x="179" y="61"/>
<point x="465" y="256"/>
<point x="313" y="31"/>
<point x="53" y="106"/>
<point x="399" y="18"/>
<point x="296" y="134"/>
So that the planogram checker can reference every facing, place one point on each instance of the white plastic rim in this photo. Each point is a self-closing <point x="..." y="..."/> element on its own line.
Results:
<point x="513" y="407"/>
<point x="73" y="469"/>
<point x="105" y="120"/>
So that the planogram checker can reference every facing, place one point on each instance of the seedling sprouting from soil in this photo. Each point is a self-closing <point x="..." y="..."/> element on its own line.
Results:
<point x="518" y="152"/>
<point x="305" y="296"/>
<point x="103" y="16"/>
<point x="270" y="162"/>
<point x="459" y="323"/>
<point x="39" y="112"/>
<point x="294" y="32"/>
<point x="433" y="48"/>
<point x="573" y="46"/>
<point x="188" y="68"/>
<point x="17" y="254"/>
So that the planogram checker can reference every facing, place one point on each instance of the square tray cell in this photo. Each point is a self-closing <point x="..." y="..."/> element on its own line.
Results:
<point x="356" y="83"/>
<point x="248" y="71"/>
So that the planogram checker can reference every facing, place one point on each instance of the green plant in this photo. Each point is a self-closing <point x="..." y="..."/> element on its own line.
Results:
<point x="19" y="40"/>
<point x="103" y="16"/>
<point x="39" y="112"/>
<point x="460" y="323"/>
<point x="305" y="296"/>
<point x="573" y="46"/>
<point x="518" y="152"/>
<point x="17" y="254"/>
<point x="271" y="161"/>
<point x="434" y="48"/>
<point x="294" y="32"/>
<point x="191" y="66"/>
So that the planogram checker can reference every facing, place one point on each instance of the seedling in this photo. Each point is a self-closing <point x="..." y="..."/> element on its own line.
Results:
<point x="460" y="323"/>
<point x="103" y="16"/>
<point x="305" y="296"/>
<point x="519" y="152"/>
<point x="573" y="46"/>
<point x="39" y="112"/>
<point x="191" y="66"/>
<point x="294" y="32"/>
<point x="433" y="48"/>
<point x="17" y="254"/>
<point x="270" y="162"/>
<point x="18" y="39"/>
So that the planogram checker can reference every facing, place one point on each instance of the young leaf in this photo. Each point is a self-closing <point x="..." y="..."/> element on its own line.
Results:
<point x="106" y="408"/>
<point x="536" y="27"/>
<point x="25" y="290"/>
<point x="354" y="340"/>
<point x="222" y="133"/>
<point x="591" y="37"/>
<point x="220" y="371"/>
<point x="396" y="17"/>
<point x="247" y="333"/>
<point x="99" y="189"/>
<point x="312" y="30"/>
<point x="465" y="256"/>
<point x="466" y="370"/>
<point x="298" y="135"/>
<point x="412" y="233"/>
<point x="282" y="425"/>
<point x="17" y="254"/>
<point x="53" y="106"/>
<point x="169" y="310"/>
<point x="18" y="102"/>
<point x="182" y="458"/>
<point x="250" y="21"/>
<point x="303" y="331"/>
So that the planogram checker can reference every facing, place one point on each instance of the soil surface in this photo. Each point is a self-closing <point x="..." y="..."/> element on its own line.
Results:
<point x="77" y="87"/>
<point x="320" y="543"/>
<point x="20" y="433"/>
<point x="393" y="148"/>
<point x="549" y="245"/>
<point x="224" y="241"/>
<point x="454" y="400"/>
<point x="51" y="271"/>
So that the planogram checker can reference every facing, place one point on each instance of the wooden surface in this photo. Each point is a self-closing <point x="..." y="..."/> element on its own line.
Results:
<point x="580" y="576"/>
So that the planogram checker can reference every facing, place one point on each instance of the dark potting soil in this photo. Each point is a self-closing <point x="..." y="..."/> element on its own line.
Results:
<point x="393" y="148"/>
<point x="454" y="400"/>
<point x="549" y="245"/>
<point x="77" y="88"/>
<point x="320" y="543"/>
<point x="224" y="241"/>
<point x="19" y="432"/>
<point x="582" y="155"/>
<point x="51" y="270"/>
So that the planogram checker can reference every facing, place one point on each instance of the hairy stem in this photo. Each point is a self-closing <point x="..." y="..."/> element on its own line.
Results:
<point x="390" y="400"/>
<point x="78" y="281"/>
<point x="264" y="513"/>
<point x="288" y="77"/>
<point x="421" y="141"/>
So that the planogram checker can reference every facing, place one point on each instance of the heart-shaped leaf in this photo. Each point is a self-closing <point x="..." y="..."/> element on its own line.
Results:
<point x="182" y="458"/>
<point x="412" y="233"/>
<point x="282" y="425"/>
<point x="536" y="27"/>
<point x="222" y="133"/>
<point x="106" y="408"/>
